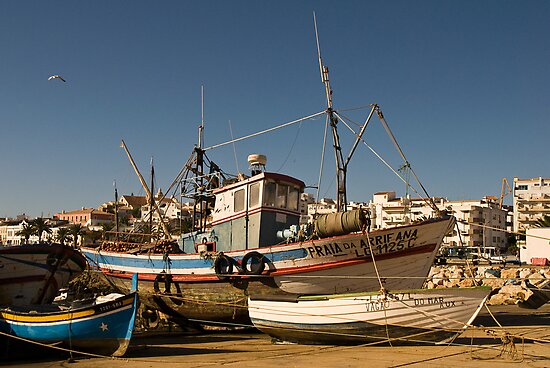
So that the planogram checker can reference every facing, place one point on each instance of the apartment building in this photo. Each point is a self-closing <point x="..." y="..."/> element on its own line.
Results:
<point x="478" y="222"/>
<point x="531" y="201"/>
<point x="86" y="217"/>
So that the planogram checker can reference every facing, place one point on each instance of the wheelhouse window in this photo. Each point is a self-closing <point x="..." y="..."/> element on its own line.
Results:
<point x="238" y="200"/>
<point x="282" y="194"/>
<point x="254" y="194"/>
<point x="293" y="198"/>
<point x="269" y="194"/>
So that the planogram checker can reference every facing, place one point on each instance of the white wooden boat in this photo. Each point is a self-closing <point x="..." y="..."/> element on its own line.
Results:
<point x="410" y="316"/>
<point x="34" y="273"/>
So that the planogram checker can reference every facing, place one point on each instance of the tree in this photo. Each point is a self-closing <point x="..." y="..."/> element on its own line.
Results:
<point x="76" y="230"/>
<point x="94" y="236"/>
<point x="542" y="222"/>
<point x="41" y="226"/>
<point x="26" y="231"/>
<point x="136" y="212"/>
<point x="62" y="235"/>
<point x="124" y="220"/>
<point x="105" y="228"/>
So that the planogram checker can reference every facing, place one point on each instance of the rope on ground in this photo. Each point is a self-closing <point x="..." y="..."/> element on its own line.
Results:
<point x="34" y="342"/>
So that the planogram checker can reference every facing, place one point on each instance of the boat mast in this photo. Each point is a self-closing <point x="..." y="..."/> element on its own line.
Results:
<point x="145" y="187"/>
<point x="341" y="197"/>
<point x="152" y="198"/>
<point x="199" y="219"/>
<point x="116" y="210"/>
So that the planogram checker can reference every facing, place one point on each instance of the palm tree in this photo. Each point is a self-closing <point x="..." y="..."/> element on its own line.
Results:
<point x="41" y="226"/>
<point x="26" y="231"/>
<point x="75" y="230"/>
<point x="543" y="222"/>
<point x="62" y="235"/>
<point x="94" y="236"/>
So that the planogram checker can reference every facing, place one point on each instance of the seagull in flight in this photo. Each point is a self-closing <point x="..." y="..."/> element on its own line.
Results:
<point x="57" y="77"/>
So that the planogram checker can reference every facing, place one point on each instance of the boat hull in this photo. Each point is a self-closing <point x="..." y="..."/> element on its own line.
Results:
<point x="411" y="316"/>
<point x="186" y="285"/>
<point x="104" y="328"/>
<point x="34" y="273"/>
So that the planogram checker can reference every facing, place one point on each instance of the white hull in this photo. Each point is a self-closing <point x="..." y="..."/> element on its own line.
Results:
<point x="33" y="274"/>
<point x="413" y="315"/>
<point x="406" y="272"/>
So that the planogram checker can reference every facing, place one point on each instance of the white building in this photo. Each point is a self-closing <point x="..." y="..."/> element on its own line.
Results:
<point x="170" y="209"/>
<point x="305" y="200"/>
<point x="478" y="224"/>
<point x="531" y="201"/>
<point x="10" y="229"/>
<point x="387" y="210"/>
<point x="536" y="245"/>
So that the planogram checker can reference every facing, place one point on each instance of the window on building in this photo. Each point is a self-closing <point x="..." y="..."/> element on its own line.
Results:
<point x="269" y="194"/>
<point x="238" y="200"/>
<point x="254" y="195"/>
<point x="282" y="193"/>
<point x="522" y="187"/>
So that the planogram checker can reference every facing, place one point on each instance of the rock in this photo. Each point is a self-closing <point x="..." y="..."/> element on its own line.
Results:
<point x="510" y="294"/>
<point x="434" y="270"/>
<point x="509" y="273"/>
<point x="430" y="285"/>
<point x="454" y="269"/>
<point x="469" y="282"/>
<point x="524" y="273"/>
<point x="451" y="283"/>
<point x="493" y="282"/>
<point x="536" y="279"/>
<point x="502" y="299"/>
<point x="438" y="279"/>
<point x="481" y="270"/>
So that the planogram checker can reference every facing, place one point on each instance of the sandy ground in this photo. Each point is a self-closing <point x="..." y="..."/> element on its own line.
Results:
<point x="474" y="348"/>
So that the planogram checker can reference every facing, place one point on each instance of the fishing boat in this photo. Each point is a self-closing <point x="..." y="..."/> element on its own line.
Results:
<point x="104" y="326"/>
<point x="409" y="316"/>
<point x="248" y="239"/>
<point x="34" y="273"/>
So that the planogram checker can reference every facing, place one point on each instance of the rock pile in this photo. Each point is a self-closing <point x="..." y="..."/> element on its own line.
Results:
<point x="512" y="285"/>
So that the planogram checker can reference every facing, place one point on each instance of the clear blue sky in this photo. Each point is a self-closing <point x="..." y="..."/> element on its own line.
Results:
<point x="464" y="86"/>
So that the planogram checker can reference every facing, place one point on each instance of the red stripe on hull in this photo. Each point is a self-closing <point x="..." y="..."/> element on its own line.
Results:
<point x="288" y="271"/>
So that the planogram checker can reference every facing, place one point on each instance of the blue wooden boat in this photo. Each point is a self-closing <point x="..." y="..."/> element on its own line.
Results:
<point x="104" y="326"/>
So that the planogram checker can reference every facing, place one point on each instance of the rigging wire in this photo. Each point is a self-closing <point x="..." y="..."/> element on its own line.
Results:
<point x="381" y="159"/>
<point x="291" y="147"/>
<point x="234" y="149"/>
<point x="309" y="117"/>
<point x="322" y="162"/>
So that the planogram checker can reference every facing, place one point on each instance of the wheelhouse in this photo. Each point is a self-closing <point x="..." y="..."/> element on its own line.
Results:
<point x="247" y="214"/>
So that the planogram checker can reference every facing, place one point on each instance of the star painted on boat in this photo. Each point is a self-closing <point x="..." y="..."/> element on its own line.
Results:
<point x="103" y="326"/>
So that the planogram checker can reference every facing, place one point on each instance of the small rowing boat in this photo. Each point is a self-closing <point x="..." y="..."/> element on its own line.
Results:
<point x="410" y="316"/>
<point x="103" y="326"/>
